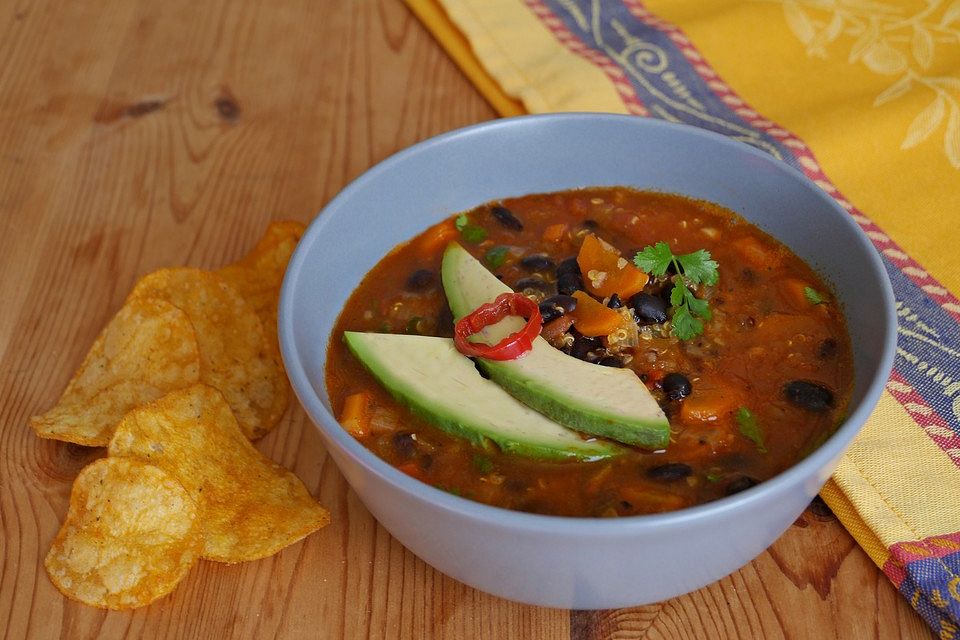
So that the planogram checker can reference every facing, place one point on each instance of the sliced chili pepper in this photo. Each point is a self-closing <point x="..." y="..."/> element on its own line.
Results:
<point x="511" y="347"/>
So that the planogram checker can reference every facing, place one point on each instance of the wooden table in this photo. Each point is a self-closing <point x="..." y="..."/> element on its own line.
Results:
<point x="138" y="134"/>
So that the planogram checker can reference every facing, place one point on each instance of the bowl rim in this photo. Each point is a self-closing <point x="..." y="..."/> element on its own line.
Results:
<point x="324" y="420"/>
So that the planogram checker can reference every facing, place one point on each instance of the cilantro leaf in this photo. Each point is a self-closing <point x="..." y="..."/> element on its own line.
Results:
<point x="697" y="307"/>
<point x="678" y="295"/>
<point x="654" y="260"/>
<point x="692" y="269"/>
<point x="461" y="222"/>
<point x="750" y="429"/>
<point x="496" y="256"/>
<point x="698" y="267"/>
<point x="813" y="295"/>
<point x="685" y="326"/>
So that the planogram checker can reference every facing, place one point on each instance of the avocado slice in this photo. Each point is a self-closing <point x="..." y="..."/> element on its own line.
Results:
<point x="602" y="401"/>
<point x="443" y="386"/>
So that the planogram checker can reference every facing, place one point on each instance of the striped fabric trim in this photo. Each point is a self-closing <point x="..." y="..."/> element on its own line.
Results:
<point x="605" y="64"/>
<point x="672" y="81"/>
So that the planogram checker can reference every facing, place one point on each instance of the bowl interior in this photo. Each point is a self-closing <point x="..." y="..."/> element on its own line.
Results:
<point x="405" y="194"/>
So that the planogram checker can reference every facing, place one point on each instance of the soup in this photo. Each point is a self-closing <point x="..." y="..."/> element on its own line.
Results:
<point x="739" y="342"/>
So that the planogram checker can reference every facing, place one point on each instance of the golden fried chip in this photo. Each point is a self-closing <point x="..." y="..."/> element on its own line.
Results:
<point x="257" y="277"/>
<point x="131" y="534"/>
<point x="147" y="349"/>
<point x="250" y="507"/>
<point x="235" y="356"/>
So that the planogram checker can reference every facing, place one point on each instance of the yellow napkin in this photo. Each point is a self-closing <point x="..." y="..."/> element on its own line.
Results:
<point x="863" y="96"/>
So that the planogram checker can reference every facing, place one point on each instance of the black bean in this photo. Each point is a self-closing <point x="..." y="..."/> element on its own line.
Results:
<point x="614" y="302"/>
<point x="740" y="484"/>
<point x="670" y="472"/>
<point x="809" y="395"/>
<point x="610" y="361"/>
<point x="648" y="309"/>
<point x="583" y="345"/>
<point x="827" y="349"/>
<point x="556" y="306"/>
<point x="568" y="303"/>
<point x="404" y="444"/>
<point x="425" y="461"/>
<point x="568" y="283"/>
<point x="570" y="265"/>
<point x="590" y="224"/>
<point x="532" y="283"/>
<point x="676" y="386"/>
<point x="549" y="312"/>
<point x="536" y="262"/>
<point x="505" y="217"/>
<point x="421" y="280"/>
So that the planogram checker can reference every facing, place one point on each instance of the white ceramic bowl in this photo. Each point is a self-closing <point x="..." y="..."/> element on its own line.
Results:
<point x="578" y="563"/>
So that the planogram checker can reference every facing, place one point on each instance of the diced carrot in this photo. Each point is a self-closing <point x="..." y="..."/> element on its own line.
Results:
<point x="436" y="237"/>
<point x="755" y="254"/>
<point x="794" y="292"/>
<point x="412" y="470"/>
<point x="356" y="414"/>
<point x="554" y="233"/>
<point x="709" y="405"/>
<point x="592" y="318"/>
<point x="606" y="272"/>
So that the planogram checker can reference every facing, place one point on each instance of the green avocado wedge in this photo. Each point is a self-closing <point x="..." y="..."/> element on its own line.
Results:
<point x="603" y="401"/>
<point x="443" y="386"/>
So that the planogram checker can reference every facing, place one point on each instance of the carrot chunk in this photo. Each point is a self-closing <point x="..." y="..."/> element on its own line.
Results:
<point x="592" y="318"/>
<point x="436" y="237"/>
<point x="755" y="254"/>
<point x="606" y="272"/>
<point x="554" y="233"/>
<point x="708" y="405"/>
<point x="356" y="414"/>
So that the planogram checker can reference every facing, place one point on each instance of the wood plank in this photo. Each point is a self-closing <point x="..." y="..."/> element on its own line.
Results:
<point x="135" y="135"/>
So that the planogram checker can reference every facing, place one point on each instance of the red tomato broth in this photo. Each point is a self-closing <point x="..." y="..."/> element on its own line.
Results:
<point x="761" y="336"/>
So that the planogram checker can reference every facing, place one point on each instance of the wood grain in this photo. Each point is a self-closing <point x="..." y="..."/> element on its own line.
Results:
<point x="135" y="135"/>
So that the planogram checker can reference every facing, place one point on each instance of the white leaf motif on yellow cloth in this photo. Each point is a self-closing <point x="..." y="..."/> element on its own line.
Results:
<point x="890" y="41"/>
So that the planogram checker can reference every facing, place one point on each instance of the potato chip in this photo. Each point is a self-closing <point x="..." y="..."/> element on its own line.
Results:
<point x="147" y="349"/>
<point x="235" y="356"/>
<point x="250" y="507"/>
<point x="132" y="533"/>
<point x="257" y="277"/>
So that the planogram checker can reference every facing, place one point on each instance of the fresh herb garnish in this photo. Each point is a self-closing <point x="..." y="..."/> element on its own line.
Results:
<point x="496" y="256"/>
<point x="750" y="428"/>
<point x="713" y="477"/>
<point x="483" y="464"/>
<point x="813" y="295"/>
<point x="470" y="232"/>
<point x="692" y="269"/>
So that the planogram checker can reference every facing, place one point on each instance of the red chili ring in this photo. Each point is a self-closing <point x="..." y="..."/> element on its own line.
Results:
<point x="511" y="347"/>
